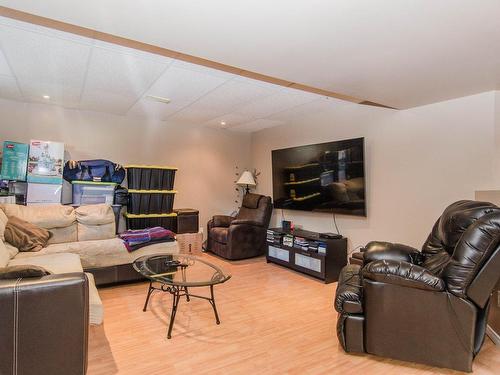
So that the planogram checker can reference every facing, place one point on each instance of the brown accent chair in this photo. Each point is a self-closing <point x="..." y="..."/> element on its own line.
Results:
<point x="243" y="236"/>
<point x="428" y="306"/>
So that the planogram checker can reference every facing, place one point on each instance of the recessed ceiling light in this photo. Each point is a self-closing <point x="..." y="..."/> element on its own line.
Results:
<point x="46" y="97"/>
<point x="223" y="123"/>
<point x="158" y="99"/>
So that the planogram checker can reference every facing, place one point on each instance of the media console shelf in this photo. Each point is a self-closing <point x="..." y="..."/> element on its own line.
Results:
<point x="325" y="267"/>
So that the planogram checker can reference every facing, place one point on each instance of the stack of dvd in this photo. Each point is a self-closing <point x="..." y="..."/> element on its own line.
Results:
<point x="288" y="240"/>
<point x="301" y="243"/>
<point x="274" y="237"/>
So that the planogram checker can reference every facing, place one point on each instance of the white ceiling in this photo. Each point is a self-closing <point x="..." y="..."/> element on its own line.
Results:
<point x="401" y="53"/>
<point x="86" y="74"/>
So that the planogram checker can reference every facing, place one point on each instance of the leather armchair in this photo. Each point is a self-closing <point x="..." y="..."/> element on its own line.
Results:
<point x="44" y="324"/>
<point x="427" y="306"/>
<point x="243" y="236"/>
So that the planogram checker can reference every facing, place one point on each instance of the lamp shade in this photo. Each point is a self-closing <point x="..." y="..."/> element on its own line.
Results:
<point x="246" y="178"/>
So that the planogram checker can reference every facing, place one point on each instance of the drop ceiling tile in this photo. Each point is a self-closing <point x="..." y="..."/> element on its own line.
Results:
<point x="26" y="26"/>
<point x="203" y="69"/>
<point x="153" y="110"/>
<point x="44" y="59"/>
<point x="315" y="106"/>
<point x="65" y="96"/>
<point x="9" y="89"/>
<point x="232" y="94"/>
<point x="184" y="86"/>
<point x="267" y="106"/>
<point x="133" y="52"/>
<point x="101" y="101"/>
<point x="121" y="74"/>
<point x="4" y="66"/>
<point x="194" y="116"/>
<point x="256" y="125"/>
<point x="230" y="120"/>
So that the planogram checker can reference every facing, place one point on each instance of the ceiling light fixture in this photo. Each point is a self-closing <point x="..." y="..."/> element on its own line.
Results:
<point x="46" y="97"/>
<point x="158" y="99"/>
<point x="223" y="123"/>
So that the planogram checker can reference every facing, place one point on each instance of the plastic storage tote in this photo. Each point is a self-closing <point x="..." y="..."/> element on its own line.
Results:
<point x="150" y="177"/>
<point x="150" y="201"/>
<point x="87" y="192"/>
<point x="167" y="221"/>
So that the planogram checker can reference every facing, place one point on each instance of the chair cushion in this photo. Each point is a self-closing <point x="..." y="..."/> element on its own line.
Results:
<point x="349" y="290"/>
<point x="219" y="234"/>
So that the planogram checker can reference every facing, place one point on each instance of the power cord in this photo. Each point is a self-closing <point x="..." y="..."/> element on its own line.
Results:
<point x="335" y="223"/>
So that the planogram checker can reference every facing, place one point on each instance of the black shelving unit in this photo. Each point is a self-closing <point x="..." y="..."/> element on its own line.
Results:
<point x="325" y="267"/>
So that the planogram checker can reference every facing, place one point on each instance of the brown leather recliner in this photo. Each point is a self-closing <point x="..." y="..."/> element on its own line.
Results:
<point x="429" y="306"/>
<point x="243" y="236"/>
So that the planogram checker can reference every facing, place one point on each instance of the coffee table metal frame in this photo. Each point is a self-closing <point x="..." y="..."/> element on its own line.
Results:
<point x="178" y="291"/>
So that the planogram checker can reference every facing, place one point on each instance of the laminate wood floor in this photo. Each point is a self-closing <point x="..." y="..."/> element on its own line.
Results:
<point x="273" y="321"/>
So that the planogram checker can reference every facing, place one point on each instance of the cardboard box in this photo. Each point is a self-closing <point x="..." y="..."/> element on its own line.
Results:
<point x="43" y="194"/>
<point x="15" y="161"/>
<point x="46" y="162"/>
<point x="189" y="243"/>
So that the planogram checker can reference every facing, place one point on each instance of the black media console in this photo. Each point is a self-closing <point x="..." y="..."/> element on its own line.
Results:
<point x="288" y="248"/>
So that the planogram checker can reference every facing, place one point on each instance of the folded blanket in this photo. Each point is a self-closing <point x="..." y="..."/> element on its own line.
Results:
<point x="135" y="239"/>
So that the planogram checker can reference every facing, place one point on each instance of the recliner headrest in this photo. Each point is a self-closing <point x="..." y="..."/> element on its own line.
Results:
<point x="251" y="200"/>
<point x="454" y="221"/>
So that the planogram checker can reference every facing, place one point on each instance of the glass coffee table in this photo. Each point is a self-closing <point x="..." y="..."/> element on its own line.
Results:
<point x="177" y="274"/>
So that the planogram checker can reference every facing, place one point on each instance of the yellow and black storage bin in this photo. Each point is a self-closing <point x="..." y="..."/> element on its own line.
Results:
<point x="151" y="201"/>
<point x="150" y="177"/>
<point x="142" y="221"/>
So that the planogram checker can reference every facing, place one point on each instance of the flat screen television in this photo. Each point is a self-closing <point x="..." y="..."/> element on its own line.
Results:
<point x="325" y="177"/>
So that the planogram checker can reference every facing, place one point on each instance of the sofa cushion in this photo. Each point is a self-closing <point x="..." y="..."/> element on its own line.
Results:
<point x="219" y="234"/>
<point x="96" y="232"/>
<point x="3" y="223"/>
<point x="105" y="253"/>
<point x="26" y="236"/>
<point x="4" y="255"/>
<point x="45" y="216"/>
<point x="15" y="272"/>
<point x="95" y="214"/>
<point x="55" y="263"/>
<point x="66" y="234"/>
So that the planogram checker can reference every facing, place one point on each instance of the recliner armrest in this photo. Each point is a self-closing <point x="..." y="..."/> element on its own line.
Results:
<point x="222" y="221"/>
<point x="50" y="314"/>
<point x="246" y="221"/>
<point x="348" y="296"/>
<point x="403" y="274"/>
<point x="380" y="250"/>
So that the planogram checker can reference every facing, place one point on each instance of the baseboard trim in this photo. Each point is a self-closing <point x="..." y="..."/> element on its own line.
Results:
<point x="494" y="336"/>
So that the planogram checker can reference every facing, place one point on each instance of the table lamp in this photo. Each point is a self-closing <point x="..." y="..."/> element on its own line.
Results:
<point x="246" y="179"/>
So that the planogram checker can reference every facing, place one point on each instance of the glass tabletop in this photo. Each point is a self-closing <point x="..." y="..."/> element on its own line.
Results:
<point x="180" y="269"/>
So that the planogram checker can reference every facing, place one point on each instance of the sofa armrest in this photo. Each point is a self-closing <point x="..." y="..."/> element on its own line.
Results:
<point x="246" y="222"/>
<point x="380" y="250"/>
<point x="403" y="274"/>
<point x="44" y="324"/>
<point x="222" y="221"/>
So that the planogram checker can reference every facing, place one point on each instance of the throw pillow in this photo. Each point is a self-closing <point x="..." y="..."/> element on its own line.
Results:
<point x="15" y="272"/>
<point x="26" y="236"/>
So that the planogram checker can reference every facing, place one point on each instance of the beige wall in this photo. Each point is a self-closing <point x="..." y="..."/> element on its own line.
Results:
<point x="417" y="162"/>
<point x="206" y="157"/>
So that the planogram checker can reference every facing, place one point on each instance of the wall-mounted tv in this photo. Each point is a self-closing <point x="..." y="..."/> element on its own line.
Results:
<point x="325" y="177"/>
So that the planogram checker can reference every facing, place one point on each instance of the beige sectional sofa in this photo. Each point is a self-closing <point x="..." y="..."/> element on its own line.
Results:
<point x="83" y="240"/>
